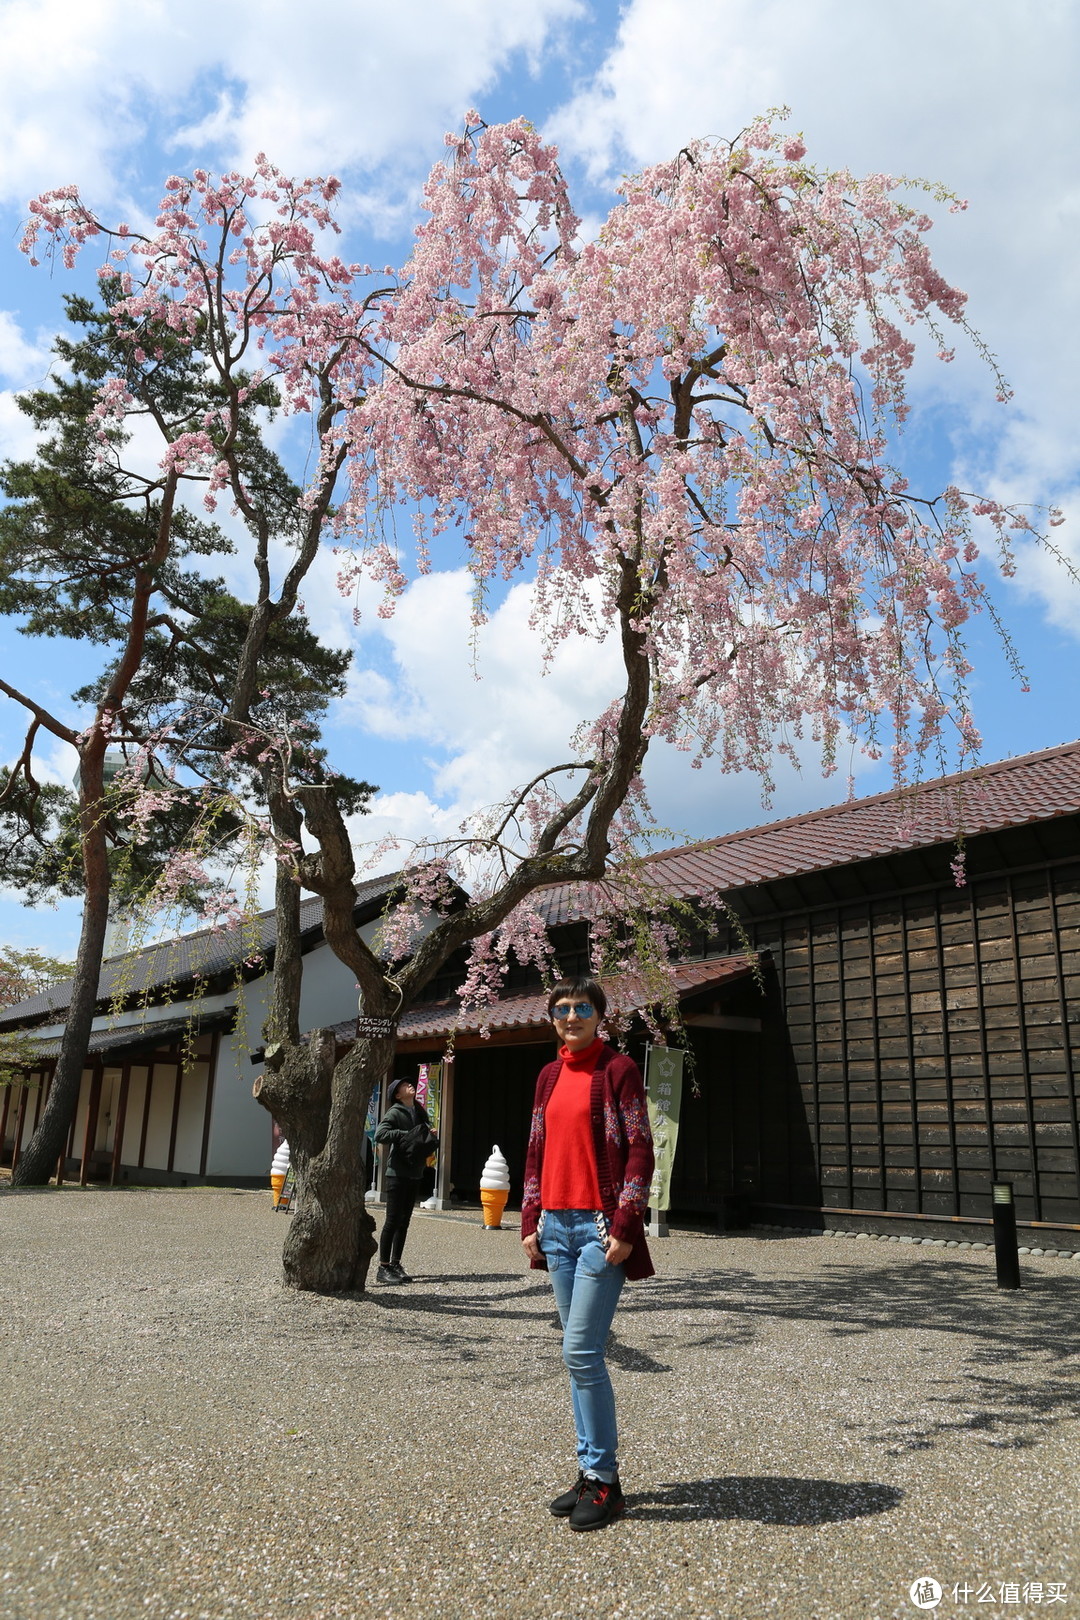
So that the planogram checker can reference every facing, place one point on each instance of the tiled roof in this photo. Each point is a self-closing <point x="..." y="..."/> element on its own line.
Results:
<point x="626" y="992"/>
<point x="161" y="1032"/>
<point x="177" y="961"/>
<point x="1035" y="787"/>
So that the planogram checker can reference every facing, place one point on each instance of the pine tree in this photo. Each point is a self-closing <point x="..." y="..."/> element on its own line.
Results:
<point x="95" y="549"/>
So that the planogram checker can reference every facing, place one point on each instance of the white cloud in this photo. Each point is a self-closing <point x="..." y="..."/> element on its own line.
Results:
<point x="18" y="436"/>
<point x="348" y="82"/>
<point x="979" y="94"/>
<point x="1040" y="577"/>
<point x="492" y="731"/>
<point x="24" y="363"/>
<point x="23" y="360"/>
<point x="410" y="818"/>
<point x="499" y="716"/>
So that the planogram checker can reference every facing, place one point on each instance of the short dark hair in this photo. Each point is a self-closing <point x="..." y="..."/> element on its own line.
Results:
<point x="578" y="989"/>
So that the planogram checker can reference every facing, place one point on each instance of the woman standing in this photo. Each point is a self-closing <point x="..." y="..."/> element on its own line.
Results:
<point x="407" y="1129"/>
<point x="587" y="1175"/>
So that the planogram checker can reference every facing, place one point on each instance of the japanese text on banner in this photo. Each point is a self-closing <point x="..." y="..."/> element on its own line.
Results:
<point x="429" y="1091"/>
<point x="663" y="1082"/>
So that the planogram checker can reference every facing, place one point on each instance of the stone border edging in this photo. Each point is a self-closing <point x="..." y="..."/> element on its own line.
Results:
<point x="927" y="1242"/>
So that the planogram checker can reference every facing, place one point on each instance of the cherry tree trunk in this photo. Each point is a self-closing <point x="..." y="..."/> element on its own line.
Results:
<point x="321" y="1104"/>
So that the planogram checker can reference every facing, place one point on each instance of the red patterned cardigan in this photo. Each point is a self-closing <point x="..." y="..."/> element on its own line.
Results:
<point x="622" y="1142"/>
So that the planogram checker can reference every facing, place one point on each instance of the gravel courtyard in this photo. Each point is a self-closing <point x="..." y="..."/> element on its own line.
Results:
<point x="807" y="1426"/>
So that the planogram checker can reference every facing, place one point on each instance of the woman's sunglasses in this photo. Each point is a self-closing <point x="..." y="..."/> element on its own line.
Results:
<point x="584" y="1009"/>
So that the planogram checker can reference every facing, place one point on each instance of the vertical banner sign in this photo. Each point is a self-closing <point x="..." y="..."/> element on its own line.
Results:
<point x="372" y="1116"/>
<point x="663" y="1081"/>
<point x="432" y="1098"/>
<point x="422" y="1085"/>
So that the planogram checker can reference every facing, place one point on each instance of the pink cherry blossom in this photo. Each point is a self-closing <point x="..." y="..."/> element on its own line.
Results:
<point x="695" y="413"/>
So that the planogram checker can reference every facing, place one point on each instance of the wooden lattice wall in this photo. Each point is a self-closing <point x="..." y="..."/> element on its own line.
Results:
<point x="935" y="1037"/>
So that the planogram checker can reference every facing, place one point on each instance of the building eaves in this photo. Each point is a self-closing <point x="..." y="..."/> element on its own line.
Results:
<point x="128" y="1037"/>
<point x="175" y="964"/>
<point x="627" y="993"/>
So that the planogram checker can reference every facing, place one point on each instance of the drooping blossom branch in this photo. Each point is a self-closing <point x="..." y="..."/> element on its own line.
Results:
<point x="684" y="428"/>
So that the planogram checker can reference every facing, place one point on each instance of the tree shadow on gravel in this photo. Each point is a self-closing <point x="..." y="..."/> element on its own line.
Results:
<point x="1026" y="1333"/>
<point x="1029" y="1332"/>
<point x="475" y="1296"/>
<point x="1042" y="1318"/>
<point x="765" y="1498"/>
<point x="1010" y="1416"/>
<point x="630" y="1358"/>
<point x="467" y="1279"/>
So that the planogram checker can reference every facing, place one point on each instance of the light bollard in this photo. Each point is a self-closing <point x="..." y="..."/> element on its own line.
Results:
<point x="1005" y="1250"/>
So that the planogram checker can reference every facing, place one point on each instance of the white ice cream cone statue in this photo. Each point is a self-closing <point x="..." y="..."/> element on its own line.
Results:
<point x="494" y="1189"/>
<point x="279" y="1169"/>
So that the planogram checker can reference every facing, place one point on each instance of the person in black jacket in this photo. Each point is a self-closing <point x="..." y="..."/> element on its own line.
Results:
<point x="407" y="1129"/>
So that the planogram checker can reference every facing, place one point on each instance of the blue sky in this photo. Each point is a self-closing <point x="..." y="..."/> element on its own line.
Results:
<point x="979" y="94"/>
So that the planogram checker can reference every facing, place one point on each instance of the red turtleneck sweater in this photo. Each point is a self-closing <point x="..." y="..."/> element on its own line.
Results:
<point x="568" y="1178"/>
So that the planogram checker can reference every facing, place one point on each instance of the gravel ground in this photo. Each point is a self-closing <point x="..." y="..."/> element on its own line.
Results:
<point x="807" y="1427"/>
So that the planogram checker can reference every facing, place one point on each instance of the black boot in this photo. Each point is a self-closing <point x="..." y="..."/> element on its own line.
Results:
<point x="599" y="1504"/>
<point x="565" y="1504"/>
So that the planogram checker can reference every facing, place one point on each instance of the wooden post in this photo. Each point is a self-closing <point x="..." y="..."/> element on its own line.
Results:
<point x="121" y="1120"/>
<point x="92" y="1106"/>
<point x="175" y="1115"/>
<point x="4" y="1115"/>
<point x="211" y="1076"/>
<point x="20" y="1119"/>
<point x="71" y="1132"/>
<point x="146" y="1112"/>
<point x="39" y="1104"/>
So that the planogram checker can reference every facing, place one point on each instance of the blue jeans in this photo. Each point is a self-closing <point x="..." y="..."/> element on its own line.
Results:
<point x="587" y="1291"/>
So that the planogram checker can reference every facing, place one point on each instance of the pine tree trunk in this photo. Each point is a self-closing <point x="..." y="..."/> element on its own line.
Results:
<point x="38" y="1160"/>
<point x="321" y="1105"/>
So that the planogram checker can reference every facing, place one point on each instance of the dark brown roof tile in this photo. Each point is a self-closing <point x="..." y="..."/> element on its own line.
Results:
<point x="1010" y="793"/>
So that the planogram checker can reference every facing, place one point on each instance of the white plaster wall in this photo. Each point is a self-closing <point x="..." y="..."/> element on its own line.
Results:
<point x="159" y="1125"/>
<point x="133" y="1118"/>
<point x="328" y="994"/>
<point x="80" y="1114"/>
<point x="239" y="1128"/>
<point x="111" y="1080"/>
<point x="189" y="1122"/>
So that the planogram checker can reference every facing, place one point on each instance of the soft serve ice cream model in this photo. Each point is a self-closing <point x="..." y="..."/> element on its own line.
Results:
<point x="494" y="1189"/>
<point x="279" y="1169"/>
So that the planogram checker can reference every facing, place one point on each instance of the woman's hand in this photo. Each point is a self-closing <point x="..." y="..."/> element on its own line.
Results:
<point x="531" y="1246"/>
<point x="615" y="1252"/>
